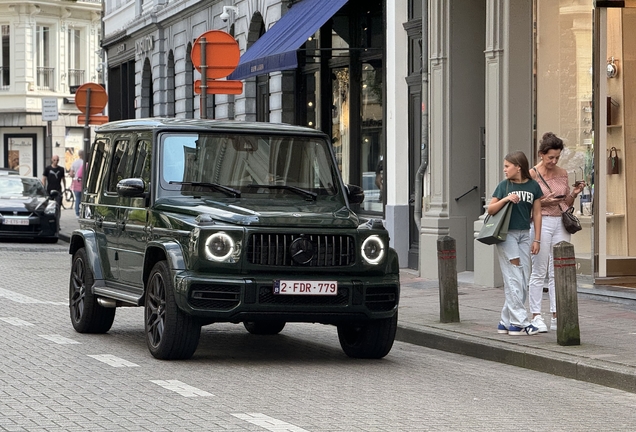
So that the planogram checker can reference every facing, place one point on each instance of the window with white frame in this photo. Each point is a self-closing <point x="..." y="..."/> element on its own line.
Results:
<point x="5" y="48"/>
<point x="43" y="58"/>
<point x="75" y="71"/>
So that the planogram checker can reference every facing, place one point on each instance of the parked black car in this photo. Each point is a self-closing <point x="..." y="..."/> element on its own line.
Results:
<point x="26" y="210"/>
<point x="204" y="221"/>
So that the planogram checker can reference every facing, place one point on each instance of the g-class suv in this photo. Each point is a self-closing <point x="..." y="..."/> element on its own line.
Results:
<point x="204" y="221"/>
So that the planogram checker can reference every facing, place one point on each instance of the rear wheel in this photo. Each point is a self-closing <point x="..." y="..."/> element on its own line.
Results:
<point x="372" y="339"/>
<point x="170" y="333"/>
<point x="264" y="327"/>
<point x="87" y="316"/>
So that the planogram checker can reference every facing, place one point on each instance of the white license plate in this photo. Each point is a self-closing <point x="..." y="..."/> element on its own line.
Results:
<point x="15" y="221"/>
<point x="300" y="287"/>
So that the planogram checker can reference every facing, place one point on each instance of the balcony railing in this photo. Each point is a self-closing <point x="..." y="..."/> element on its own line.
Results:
<point x="75" y="77"/>
<point x="4" y="78"/>
<point x="46" y="79"/>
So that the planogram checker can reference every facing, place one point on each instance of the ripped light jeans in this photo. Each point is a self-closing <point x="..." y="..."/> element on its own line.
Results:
<point x="515" y="277"/>
<point x="552" y="232"/>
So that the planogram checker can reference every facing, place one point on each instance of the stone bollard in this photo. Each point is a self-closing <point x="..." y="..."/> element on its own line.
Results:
<point x="447" y="274"/>
<point x="568" y="332"/>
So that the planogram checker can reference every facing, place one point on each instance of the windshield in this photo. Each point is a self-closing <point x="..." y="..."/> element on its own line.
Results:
<point x="236" y="165"/>
<point x="14" y="186"/>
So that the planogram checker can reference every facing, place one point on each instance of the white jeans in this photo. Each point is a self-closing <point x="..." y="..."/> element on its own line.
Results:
<point x="515" y="277"/>
<point x="552" y="232"/>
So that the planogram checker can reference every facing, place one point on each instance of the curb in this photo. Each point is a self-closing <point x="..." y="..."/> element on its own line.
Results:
<point x="567" y="366"/>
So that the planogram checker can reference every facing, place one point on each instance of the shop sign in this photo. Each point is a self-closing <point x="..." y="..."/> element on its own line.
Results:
<point x="144" y="45"/>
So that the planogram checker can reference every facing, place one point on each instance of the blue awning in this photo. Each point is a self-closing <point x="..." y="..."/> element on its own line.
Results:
<point x="276" y="49"/>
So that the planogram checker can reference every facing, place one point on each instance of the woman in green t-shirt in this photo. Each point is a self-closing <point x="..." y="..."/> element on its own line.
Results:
<point x="514" y="254"/>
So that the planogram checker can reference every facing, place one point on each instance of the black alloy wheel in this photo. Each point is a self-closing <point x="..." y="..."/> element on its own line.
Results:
<point x="372" y="339"/>
<point x="170" y="333"/>
<point x="87" y="316"/>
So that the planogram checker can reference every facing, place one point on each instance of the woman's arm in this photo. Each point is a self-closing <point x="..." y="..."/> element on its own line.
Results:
<point x="496" y="204"/>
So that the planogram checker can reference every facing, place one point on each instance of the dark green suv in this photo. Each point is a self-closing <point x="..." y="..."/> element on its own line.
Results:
<point x="203" y="221"/>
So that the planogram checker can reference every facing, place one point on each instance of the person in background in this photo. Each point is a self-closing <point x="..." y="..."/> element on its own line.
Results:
<point x="52" y="179"/>
<point x="557" y="197"/>
<point x="76" y="172"/>
<point x="514" y="253"/>
<point x="379" y="177"/>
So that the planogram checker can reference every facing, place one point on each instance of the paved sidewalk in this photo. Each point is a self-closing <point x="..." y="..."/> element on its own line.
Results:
<point x="607" y="319"/>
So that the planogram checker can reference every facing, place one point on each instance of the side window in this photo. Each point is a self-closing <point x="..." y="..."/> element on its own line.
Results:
<point x="101" y="148"/>
<point x="118" y="165"/>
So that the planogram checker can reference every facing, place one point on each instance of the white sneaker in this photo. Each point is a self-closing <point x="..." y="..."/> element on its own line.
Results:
<point x="539" y="323"/>
<point x="553" y="324"/>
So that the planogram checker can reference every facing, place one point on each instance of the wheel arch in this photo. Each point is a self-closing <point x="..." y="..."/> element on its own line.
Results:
<point x="86" y="239"/>
<point x="158" y="251"/>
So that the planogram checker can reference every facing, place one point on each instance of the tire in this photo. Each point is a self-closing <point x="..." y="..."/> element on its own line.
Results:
<point x="369" y="340"/>
<point x="87" y="316"/>
<point x="170" y="333"/>
<point x="264" y="327"/>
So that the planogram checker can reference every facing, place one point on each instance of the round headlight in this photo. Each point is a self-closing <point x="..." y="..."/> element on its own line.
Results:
<point x="373" y="249"/>
<point x="219" y="246"/>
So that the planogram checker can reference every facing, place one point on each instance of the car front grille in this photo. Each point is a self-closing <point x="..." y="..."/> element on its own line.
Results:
<point x="266" y="296"/>
<point x="214" y="296"/>
<point x="274" y="250"/>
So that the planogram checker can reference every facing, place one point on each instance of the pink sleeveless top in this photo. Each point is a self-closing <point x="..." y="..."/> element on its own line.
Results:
<point x="559" y="186"/>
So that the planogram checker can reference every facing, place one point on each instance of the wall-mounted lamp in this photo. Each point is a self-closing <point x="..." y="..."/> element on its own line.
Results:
<point x="225" y="14"/>
<point x="612" y="69"/>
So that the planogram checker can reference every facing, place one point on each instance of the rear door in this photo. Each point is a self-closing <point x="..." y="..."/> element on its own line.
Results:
<point x="133" y="216"/>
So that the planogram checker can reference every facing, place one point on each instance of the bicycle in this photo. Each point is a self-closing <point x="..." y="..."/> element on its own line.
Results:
<point x="68" y="196"/>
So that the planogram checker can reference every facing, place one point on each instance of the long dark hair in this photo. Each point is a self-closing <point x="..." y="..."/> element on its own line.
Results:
<point x="550" y="141"/>
<point x="519" y="158"/>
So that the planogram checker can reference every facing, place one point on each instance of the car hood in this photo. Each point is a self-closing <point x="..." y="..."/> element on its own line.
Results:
<point x="20" y="204"/>
<point x="295" y="213"/>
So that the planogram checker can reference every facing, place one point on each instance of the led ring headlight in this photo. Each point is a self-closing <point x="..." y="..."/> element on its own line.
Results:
<point x="219" y="247"/>
<point x="372" y="249"/>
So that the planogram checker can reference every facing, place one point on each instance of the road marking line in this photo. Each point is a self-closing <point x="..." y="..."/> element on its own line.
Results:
<point x="21" y="298"/>
<point x="181" y="388"/>
<point x="113" y="361"/>
<point x="16" y="321"/>
<point x="269" y="423"/>
<point x="59" y="339"/>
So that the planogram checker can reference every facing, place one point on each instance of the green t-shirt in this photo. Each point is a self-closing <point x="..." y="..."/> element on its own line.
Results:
<point x="528" y="192"/>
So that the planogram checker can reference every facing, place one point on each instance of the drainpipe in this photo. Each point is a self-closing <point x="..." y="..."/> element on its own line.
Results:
<point x="419" y="176"/>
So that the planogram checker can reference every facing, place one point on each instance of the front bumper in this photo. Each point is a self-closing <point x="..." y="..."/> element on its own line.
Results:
<point x="236" y="299"/>
<point x="44" y="226"/>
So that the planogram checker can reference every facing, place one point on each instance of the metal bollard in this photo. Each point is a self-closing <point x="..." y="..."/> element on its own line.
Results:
<point x="568" y="331"/>
<point x="447" y="274"/>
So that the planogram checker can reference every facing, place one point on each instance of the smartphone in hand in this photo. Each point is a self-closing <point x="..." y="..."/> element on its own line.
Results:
<point x="560" y="196"/>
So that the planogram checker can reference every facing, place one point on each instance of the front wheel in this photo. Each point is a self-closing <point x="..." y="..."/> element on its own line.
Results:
<point x="87" y="316"/>
<point x="372" y="339"/>
<point x="264" y="327"/>
<point x="170" y="333"/>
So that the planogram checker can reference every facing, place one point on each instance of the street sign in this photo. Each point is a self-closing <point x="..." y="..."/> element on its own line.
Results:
<point x="49" y="109"/>
<point x="98" y="99"/>
<point x="222" y="53"/>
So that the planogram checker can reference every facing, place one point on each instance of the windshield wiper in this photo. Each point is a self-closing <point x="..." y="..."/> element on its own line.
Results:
<point x="299" y="191"/>
<point x="218" y="187"/>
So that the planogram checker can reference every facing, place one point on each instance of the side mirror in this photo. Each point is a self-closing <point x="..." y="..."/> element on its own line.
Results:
<point x="54" y="194"/>
<point x="131" y="188"/>
<point x="355" y="194"/>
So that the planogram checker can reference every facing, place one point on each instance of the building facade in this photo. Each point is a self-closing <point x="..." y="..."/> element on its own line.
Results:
<point x="422" y="100"/>
<point x="47" y="51"/>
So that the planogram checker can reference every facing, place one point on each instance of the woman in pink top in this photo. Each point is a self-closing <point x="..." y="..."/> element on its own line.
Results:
<point x="556" y="198"/>
<point x="76" y="187"/>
